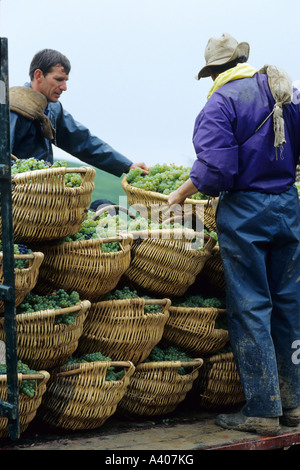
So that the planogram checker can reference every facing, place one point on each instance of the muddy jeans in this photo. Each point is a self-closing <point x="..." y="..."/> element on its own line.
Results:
<point x="259" y="236"/>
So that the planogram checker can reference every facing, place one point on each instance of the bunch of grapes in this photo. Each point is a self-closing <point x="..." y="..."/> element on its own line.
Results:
<point x="195" y="301"/>
<point x="57" y="300"/>
<point x="112" y="372"/>
<point x="162" y="179"/>
<point x="20" y="249"/>
<point x="170" y="353"/>
<point x="89" y="230"/>
<point x="27" y="387"/>
<point x="30" y="164"/>
<point x="297" y="184"/>
<point x="127" y="293"/>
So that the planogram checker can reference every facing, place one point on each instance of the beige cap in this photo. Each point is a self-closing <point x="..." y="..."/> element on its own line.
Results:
<point x="222" y="50"/>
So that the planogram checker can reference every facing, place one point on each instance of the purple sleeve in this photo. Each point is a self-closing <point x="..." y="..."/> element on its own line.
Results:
<point x="216" y="148"/>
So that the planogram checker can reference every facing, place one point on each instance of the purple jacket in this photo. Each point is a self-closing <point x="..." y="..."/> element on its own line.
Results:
<point x="230" y="155"/>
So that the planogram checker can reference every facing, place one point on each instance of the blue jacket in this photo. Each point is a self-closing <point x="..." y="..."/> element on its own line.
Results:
<point x="230" y="155"/>
<point x="27" y="140"/>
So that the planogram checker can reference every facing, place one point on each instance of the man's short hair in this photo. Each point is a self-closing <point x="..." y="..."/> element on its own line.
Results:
<point x="46" y="59"/>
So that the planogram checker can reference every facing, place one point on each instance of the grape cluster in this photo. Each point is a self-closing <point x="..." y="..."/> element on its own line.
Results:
<point x="30" y="164"/>
<point x="112" y="372"/>
<point x="170" y="353"/>
<point x="162" y="178"/>
<point x="27" y="387"/>
<point x="57" y="300"/>
<point x="297" y="184"/>
<point x="20" y="249"/>
<point x="194" y="301"/>
<point x="89" y="230"/>
<point x="127" y="293"/>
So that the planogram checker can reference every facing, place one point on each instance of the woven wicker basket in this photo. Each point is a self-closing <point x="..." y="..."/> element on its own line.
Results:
<point x="193" y="330"/>
<point x="218" y="386"/>
<point x="44" y="208"/>
<point x="164" y="261"/>
<point x="83" y="266"/>
<point x="156" y="388"/>
<point x="154" y="206"/>
<point x="41" y="343"/>
<point x="121" y="329"/>
<point x="27" y="406"/>
<point x="79" y="397"/>
<point x="26" y="278"/>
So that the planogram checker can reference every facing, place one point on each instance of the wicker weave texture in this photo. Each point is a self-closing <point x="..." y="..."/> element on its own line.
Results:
<point x="79" y="397"/>
<point x="41" y="343"/>
<point x="44" y="208"/>
<point x="27" y="406"/>
<point x="166" y="265"/>
<point x="122" y="330"/>
<point x="193" y="330"/>
<point x="156" y="388"/>
<point x="218" y="385"/>
<point x="83" y="266"/>
<point x="26" y="278"/>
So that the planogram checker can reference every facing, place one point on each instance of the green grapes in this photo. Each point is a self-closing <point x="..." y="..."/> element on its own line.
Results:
<point x="171" y="353"/>
<point x="30" y="164"/>
<point x="112" y="372"/>
<point x="297" y="184"/>
<point x="162" y="178"/>
<point x="127" y="293"/>
<point x="59" y="299"/>
<point x="27" y="387"/>
<point x="89" y="231"/>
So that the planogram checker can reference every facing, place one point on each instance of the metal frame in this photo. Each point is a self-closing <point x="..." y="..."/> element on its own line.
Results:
<point x="9" y="409"/>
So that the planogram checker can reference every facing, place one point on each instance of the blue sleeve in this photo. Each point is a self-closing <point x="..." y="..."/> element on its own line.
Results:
<point x="77" y="140"/>
<point x="216" y="148"/>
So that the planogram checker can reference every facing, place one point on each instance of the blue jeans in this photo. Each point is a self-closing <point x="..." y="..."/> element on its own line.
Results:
<point x="259" y="237"/>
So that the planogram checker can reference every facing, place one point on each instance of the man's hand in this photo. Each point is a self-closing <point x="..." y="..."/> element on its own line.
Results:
<point x="140" y="165"/>
<point x="178" y="196"/>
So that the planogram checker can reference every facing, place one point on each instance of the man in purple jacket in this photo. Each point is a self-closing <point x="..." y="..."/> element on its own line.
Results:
<point x="247" y="142"/>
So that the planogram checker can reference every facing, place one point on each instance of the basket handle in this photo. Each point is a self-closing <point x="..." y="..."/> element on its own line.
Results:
<point x="112" y="206"/>
<point x="166" y="302"/>
<point x="84" y="304"/>
<point x="125" y="364"/>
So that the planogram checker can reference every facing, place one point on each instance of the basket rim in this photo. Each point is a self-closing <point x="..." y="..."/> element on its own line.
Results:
<point x="83" y="305"/>
<point x="165" y="302"/>
<point x="92" y="241"/>
<point x="59" y="170"/>
<point x="201" y="309"/>
<point x="163" y="197"/>
<point x="41" y="375"/>
<point x="80" y="367"/>
<point x="195" y="362"/>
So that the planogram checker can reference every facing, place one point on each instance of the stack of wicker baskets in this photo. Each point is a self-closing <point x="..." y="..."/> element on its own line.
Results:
<point x="162" y="263"/>
<point x="44" y="209"/>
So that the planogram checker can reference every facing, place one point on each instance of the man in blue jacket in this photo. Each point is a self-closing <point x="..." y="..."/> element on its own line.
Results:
<point x="247" y="143"/>
<point x="38" y="120"/>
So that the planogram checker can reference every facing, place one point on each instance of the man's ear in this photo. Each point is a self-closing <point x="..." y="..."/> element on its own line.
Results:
<point x="38" y="75"/>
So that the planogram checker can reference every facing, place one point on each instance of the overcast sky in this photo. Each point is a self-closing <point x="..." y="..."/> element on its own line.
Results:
<point x="134" y="62"/>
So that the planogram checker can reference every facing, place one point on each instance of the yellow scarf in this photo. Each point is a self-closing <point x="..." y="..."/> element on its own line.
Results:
<point x="239" y="71"/>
